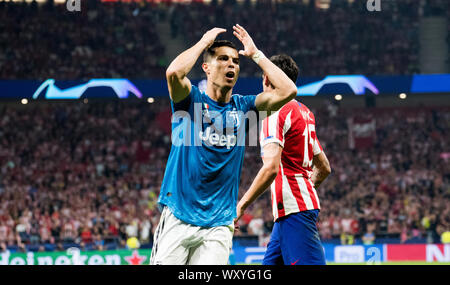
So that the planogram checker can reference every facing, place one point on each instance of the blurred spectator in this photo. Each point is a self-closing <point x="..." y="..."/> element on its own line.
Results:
<point x="68" y="234"/>
<point x="3" y="247"/>
<point x="347" y="238"/>
<point x="369" y="237"/>
<point x="97" y="239"/>
<point x="445" y="237"/>
<point x="86" y="235"/>
<point x="3" y="232"/>
<point x="256" y="225"/>
<point x="132" y="229"/>
<point x="145" y="230"/>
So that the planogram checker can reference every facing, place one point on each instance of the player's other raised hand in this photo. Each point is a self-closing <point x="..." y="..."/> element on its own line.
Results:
<point x="210" y="36"/>
<point x="249" y="46"/>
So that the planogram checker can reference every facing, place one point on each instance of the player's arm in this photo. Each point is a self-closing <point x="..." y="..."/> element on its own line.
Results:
<point x="284" y="89"/>
<point x="266" y="175"/>
<point x="321" y="169"/>
<point x="176" y="74"/>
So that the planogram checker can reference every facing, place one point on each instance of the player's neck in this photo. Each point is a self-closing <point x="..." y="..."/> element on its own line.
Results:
<point x="219" y="94"/>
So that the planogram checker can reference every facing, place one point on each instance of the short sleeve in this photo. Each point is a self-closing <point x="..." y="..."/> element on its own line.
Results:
<point x="317" y="148"/>
<point x="185" y="104"/>
<point x="275" y="127"/>
<point x="248" y="103"/>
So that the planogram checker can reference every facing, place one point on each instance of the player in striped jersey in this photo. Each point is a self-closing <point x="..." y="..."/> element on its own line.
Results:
<point x="294" y="167"/>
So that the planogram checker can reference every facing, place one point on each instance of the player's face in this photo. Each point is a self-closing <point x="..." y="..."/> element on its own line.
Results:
<point x="223" y="68"/>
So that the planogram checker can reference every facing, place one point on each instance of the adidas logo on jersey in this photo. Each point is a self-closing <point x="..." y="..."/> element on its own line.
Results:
<point x="216" y="139"/>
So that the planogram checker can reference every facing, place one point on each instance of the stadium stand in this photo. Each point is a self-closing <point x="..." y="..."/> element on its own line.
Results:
<point x="88" y="175"/>
<point x="109" y="40"/>
<point x="121" y="39"/>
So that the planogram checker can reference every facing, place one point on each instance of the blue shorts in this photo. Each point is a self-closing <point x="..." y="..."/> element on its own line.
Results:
<point x="295" y="241"/>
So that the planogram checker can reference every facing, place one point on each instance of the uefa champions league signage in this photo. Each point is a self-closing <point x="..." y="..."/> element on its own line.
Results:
<point x="122" y="88"/>
<point x="357" y="83"/>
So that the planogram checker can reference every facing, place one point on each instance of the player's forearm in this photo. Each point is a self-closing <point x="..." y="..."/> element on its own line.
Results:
<point x="321" y="169"/>
<point x="262" y="181"/>
<point x="185" y="61"/>
<point x="319" y="175"/>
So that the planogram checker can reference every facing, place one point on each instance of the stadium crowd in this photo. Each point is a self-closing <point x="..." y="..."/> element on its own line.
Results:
<point x="85" y="174"/>
<point x="122" y="39"/>
<point x="109" y="41"/>
<point x="89" y="174"/>
<point x="344" y="39"/>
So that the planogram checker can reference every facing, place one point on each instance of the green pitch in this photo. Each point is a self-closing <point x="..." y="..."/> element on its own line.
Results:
<point x="394" y="263"/>
<point x="381" y="263"/>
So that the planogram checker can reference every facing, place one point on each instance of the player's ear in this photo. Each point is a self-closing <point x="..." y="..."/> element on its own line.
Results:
<point x="205" y="67"/>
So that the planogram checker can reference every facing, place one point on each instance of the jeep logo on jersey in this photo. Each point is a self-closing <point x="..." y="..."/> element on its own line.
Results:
<point x="213" y="128"/>
<point x="213" y="134"/>
<point x="212" y="138"/>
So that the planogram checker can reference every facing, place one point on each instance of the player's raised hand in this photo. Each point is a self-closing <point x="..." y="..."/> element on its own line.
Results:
<point x="209" y="37"/>
<point x="249" y="46"/>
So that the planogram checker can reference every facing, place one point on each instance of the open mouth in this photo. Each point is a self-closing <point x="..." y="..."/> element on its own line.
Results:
<point x="229" y="75"/>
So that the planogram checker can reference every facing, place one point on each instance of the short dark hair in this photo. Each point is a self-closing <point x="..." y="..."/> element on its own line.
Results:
<point x="287" y="64"/>
<point x="209" y="52"/>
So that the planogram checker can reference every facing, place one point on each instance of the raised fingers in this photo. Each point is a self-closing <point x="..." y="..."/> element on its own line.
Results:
<point x="219" y="30"/>
<point x="239" y="32"/>
<point x="240" y="29"/>
<point x="237" y="35"/>
<point x="212" y="34"/>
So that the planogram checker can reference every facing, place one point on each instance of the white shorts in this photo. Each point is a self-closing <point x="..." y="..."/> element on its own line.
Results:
<point x="179" y="243"/>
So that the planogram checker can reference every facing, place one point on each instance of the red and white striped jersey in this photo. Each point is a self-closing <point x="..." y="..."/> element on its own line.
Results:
<point x="293" y="127"/>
